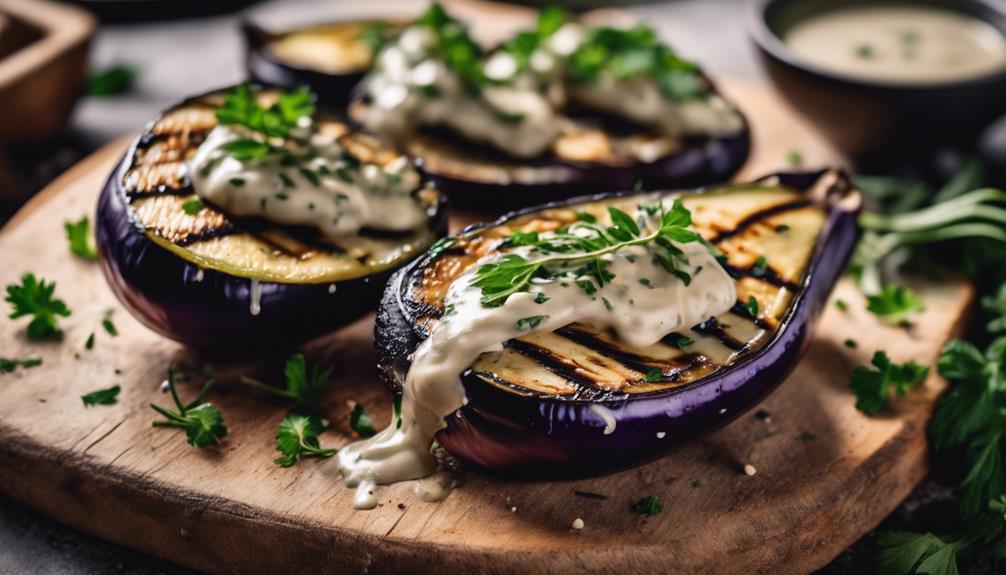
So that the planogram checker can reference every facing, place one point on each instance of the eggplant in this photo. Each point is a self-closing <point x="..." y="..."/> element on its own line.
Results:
<point x="577" y="401"/>
<point x="330" y="58"/>
<point x="224" y="284"/>
<point x="594" y="153"/>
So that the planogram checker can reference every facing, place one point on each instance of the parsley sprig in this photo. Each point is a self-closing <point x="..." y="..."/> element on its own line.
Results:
<point x="34" y="297"/>
<point x="525" y="43"/>
<point x="454" y="45"/>
<point x="297" y="437"/>
<point x="303" y="385"/>
<point x="873" y="387"/>
<point x="635" y="52"/>
<point x="203" y="424"/>
<point x="895" y="304"/>
<point x="241" y="107"/>
<point x="581" y="248"/>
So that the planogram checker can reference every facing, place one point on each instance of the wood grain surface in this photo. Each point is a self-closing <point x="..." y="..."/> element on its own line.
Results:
<point x="825" y="473"/>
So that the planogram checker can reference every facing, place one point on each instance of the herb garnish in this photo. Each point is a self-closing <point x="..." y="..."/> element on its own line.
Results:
<point x="34" y="297"/>
<point x="873" y="386"/>
<point x="525" y="43"/>
<point x="512" y="273"/>
<point x="78" y="234"/>
<point x="751" y="307"/>
<point x="106" y="322"/>
<point x="112" y="81"/>
<point x="241" y="108"/>
<point x="454" y="46"/>
<point x="760" y="267"/>
<point x="526" y="323"/>
<point x="102" y="397"/>
<point x="635" y="52"/>
<point x="302" y="385"/>
<point x="360" y="422"/>
<point x="9" y="365"/>
<point x="298" y="436"/>
<point x="203" y="424"/>
<point x="648" y="506"/>
<point x="193" y="206"/>
<point x="895" y="303"/>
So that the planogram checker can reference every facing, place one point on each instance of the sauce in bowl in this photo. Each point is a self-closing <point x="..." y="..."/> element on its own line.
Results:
<point x="901" y="44"/>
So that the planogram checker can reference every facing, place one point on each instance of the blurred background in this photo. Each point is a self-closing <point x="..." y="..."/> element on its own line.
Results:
<point x="75" y="76"/>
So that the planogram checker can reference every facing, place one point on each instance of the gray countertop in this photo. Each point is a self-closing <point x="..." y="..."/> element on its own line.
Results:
<point x="183" y="57"/>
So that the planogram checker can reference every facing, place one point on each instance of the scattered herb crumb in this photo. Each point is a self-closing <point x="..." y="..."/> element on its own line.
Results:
<point x="102" y="397"/>
<point x="655" y="374"/>
<point x="9" y="365"/>
<point x="850" y="343"/>
<point x="841" y="305"/>
<point x="193" y="206"/>
<point x="297" y="436"/>
<point x="360" y="422"/>
<point x="78" y="234"/>
<point x="648" y="506"/>
<point x="763" y="415"/>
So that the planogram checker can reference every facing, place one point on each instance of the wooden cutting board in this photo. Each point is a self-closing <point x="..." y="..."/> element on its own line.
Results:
<point x="825" y="473"/>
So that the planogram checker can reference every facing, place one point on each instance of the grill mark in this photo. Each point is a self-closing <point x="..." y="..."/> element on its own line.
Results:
<point x="756" y="217"/>
<point x="631" y="360"/>
<point x="180" y="150"/>
<point x="586" y="387"/>
<point x="712" y="328"/>
<point x="769" y="276"/>
<point x="160" y="190"/>
<point x="692" y="361"/>
<point x="207" y="235"/>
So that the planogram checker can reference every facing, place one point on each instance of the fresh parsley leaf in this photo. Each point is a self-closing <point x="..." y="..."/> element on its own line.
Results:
<point x="193" y="206"/>
<point x="297" y="437"/>
<point x="760" y="267"/>
<point x="454" y="46"/>
<point x="540" y="298"/>
<point x="359" y="421"/>
<point x="584" y="244"/>
<point x="34" y="297"/>
<point x="203" y="424"/>
<point x="531" y="322"/>
<point x="112" y="81"/>
<point x="78" y="234"/>
<point x="905" y="553"/>
<point x="106" y="323"/>
<point x="648" y="506"/>
<point x="895" y="303"/>
<point x="303" y="385"/>
<point x="241" y="107"/>
<point x="841" y="305"/>
<point x="585" y="217"/>
<point x="9" y="365"/>
<point x="655" y="374"/>
<point x="873" y="386"/>
<point x="102" y="397"/>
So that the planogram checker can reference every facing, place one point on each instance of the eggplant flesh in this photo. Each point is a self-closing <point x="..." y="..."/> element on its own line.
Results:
<point x="593" y="153"/>
<point x="330" y="58"/>
<point x="220" y="283"/>
<point x="547" y="403"/>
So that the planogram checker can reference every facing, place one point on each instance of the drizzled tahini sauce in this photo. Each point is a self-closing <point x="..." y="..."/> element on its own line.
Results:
<point x="642" y="304"/>
<point x="410" y="88"/>
<point x="318" y="185"/>
<point x="516" y="113"/>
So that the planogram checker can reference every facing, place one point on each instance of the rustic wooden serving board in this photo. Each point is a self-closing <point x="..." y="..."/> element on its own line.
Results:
<point x="825" y="473"/>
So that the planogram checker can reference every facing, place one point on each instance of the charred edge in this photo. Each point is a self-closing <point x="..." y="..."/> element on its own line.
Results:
<point x="712" y="328"/>
<point x="756" y="217"/>
<point x="768" y="275"/>
<point x="691" y="361"/>
<point x="586" y="387"/>
<point x="740" y="310"/>
<point x="160" y="190"/>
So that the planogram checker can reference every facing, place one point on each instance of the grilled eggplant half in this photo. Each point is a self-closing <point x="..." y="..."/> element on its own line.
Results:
<point x="594" y="153"/>
<point x="213" y="281"/>
<point x="331" y="58"/>
<point x="578" y="401"/>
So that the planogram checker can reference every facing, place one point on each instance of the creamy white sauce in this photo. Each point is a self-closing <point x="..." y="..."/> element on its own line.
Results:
<point x="605" y="414"/>
<point x="255" y="297"/>
<point x="518" y="113"/>
<point x="900" y="43"/>
<point x="409" y="88"/>
<point x="640" y="313"/>
<point x="319" y="187"/>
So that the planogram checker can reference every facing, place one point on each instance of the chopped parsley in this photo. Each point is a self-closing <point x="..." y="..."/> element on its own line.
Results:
<point x="895" y="304"/>
<point x="34" y="297"/>
<point x="648" y="506"/>
<point x="531" y="322"/>
<point x="203" y="424"/>
<point x="9" y="365"/>
<point x="760" y="267"/>
<point x="751" y="307"/>
<point x="873" y="387"/>
<point x="655" y="374"/>
<point x="303" y="385"/>
<point x="78" y="234"/>
<point x="359" y="421"/>
<point x="101" y="397"/>
<point x="193" y="206"/>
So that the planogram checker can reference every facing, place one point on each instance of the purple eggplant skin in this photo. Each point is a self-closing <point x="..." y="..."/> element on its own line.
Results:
<point x="266" y="69"/>
<point x="516" y="435"/>
<point x="704" y="160"/>
<point x="209" y="309"/>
